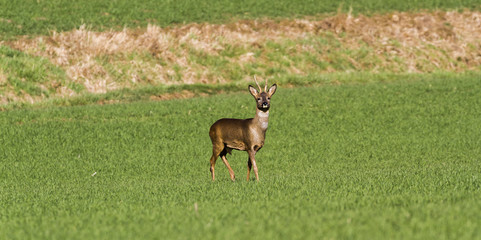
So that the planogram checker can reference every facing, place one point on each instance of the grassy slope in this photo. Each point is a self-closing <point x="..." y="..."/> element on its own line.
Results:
<point x="25" y="72"/>
<point x="27" y="17"/>
<point x="377" y="160"/>
<point x="163" y="92"/>
<point x="25" y="78"/>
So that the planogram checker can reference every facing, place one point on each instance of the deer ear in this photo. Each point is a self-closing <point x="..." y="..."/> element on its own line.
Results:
<point x="272" y="89"/>
<point x="253" y="91"/>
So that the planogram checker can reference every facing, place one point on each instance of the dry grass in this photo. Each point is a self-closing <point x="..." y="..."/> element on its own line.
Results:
<point x="209" y="53"/>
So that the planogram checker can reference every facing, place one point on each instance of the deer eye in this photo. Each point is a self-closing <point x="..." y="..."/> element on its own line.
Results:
<point x="258" y="99"/>
<point x="268" y="98"/>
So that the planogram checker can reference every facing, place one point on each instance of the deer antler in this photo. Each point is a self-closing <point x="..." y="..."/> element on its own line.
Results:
<point x="265" y="86"/>
<point x="255" y="79"/>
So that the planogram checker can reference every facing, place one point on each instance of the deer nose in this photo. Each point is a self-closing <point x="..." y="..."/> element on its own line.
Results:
<point x="264" y="105"/>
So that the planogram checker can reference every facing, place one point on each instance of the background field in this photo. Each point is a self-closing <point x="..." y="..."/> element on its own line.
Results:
<point x="63" y="52"/>
<point x="27" y="17"/>
<point x="377" y="160"/>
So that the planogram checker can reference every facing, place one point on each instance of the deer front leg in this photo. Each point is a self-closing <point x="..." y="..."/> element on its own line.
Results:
<point x="252" y="154"/>
<point x="249" y="167"/>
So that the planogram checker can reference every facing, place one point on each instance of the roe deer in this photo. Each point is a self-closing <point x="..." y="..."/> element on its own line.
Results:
<point x="242" y="134"/>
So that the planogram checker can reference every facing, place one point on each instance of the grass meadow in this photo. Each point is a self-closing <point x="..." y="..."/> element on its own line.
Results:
<point x="33" y="17"/>
<point x="396" y="160"/>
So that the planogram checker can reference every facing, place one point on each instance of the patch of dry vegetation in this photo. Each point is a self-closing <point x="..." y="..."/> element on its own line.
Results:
<point x="219" y="53"/>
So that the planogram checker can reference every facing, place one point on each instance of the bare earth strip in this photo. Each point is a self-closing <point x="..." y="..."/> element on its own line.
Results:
<point x="209" y="53"/>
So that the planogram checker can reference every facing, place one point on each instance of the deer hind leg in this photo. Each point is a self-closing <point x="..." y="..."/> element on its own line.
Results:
<point x="224" y="159"/>
<point x="252" y="159"/>
<point x="216" y="150"/>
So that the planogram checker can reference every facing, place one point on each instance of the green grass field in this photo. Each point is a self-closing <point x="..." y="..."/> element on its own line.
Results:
<point x="394" y="160"/>
<point x="32" y="17"/>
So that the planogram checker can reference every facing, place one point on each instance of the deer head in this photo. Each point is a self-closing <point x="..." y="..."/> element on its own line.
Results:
<point x="263" y="98"/>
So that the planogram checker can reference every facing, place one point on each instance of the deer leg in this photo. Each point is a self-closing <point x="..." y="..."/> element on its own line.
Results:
<point x="252" y="154"/>
<point x="231" y="172"/>
<point x="249" y="167"/>
<point x="213" y="159"/>
<point x="212" y="165"/>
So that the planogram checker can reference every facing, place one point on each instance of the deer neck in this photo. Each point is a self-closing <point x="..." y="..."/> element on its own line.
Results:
<point x="262" y="119"/>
